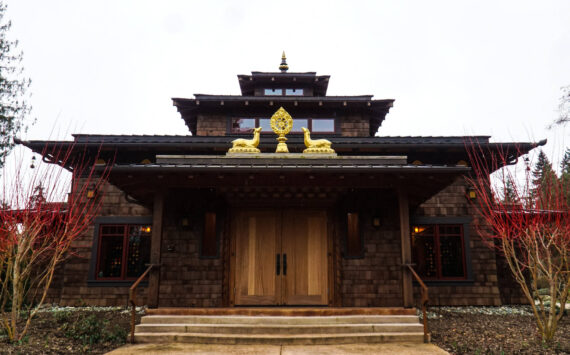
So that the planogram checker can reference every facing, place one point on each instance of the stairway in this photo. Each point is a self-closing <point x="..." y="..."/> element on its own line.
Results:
<point x="297" y="326"/>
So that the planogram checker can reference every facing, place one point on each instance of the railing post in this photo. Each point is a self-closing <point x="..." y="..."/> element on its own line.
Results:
<point x="407" y="289"/>
<point x="424" y="301"/>
<point x="133" y="298"/>
<point x="155" y="244"/>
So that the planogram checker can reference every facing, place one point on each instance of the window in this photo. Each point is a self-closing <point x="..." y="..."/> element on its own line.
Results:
<point x="294" y="92"/>
<point x="322" y="125"/>
<point x="124" y="251"/>
<point x="354" y="241"/>
<point x="438" y="251"/>
<point x="271" y="92"/>
<point x="315" y="125"/>
<point x="280" y="92"/>
<point x="209" y="244"/>
<point x="243" y="125"/>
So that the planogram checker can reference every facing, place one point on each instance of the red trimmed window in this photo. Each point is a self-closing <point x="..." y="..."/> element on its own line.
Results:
<point x="123" y="251"/>
<point x="438" y="251"/>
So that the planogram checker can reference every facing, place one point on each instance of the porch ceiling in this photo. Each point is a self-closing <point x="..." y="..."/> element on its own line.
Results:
<point x="249" y="175"/>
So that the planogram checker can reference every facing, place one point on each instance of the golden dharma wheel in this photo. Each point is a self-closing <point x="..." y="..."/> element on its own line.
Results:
<point x="281" y="122"/>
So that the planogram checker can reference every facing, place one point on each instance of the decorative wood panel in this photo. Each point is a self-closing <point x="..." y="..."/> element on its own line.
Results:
<point x="304" y="241"/>
<point x="257" y="245"/>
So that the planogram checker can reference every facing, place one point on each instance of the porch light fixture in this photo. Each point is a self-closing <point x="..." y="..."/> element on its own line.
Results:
<point x="376" y="222"/>
<point x="471" y="193"/>
<point x="91" y="190"/>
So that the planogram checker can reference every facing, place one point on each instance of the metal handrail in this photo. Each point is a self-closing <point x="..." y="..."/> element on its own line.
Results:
<point x="133" y="298"/>
<point x="425" y="300"/>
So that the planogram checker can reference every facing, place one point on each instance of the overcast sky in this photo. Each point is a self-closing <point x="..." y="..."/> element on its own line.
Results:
<point x="453" y="67"/>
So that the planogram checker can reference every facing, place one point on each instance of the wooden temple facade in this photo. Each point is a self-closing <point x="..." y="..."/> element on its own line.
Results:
<point x="282" y="229"/>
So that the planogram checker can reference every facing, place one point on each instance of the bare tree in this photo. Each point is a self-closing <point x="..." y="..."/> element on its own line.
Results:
<point x="37" y="228"/>
<point x="533" y="235"/>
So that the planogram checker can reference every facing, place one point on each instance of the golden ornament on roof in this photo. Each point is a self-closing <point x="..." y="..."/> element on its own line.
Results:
<point x="281" y="124"/>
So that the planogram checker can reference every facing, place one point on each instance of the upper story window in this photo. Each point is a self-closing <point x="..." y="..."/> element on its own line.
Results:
<point x="270" y="92"/>
<point x="294" y="92"/>
<point x="439" y="251"/>
<point x="124" y="251"/>
<point x="315" y="125"/>
<point x="281" y="92"/>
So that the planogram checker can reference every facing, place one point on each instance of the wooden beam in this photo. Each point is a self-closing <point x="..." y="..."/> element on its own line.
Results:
<point x="156" y="241"/>
<point x="403" y="205"/>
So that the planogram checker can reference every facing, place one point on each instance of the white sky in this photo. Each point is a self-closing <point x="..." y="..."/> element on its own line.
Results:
<point x="454" y="67"/>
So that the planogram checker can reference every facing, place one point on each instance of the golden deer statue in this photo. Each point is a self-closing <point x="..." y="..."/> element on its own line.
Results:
<point x="241" y="145"/>
<point x="317" y="146"/>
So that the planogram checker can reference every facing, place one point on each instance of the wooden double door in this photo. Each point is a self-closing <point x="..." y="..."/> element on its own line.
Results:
<point x="280" y="257"/>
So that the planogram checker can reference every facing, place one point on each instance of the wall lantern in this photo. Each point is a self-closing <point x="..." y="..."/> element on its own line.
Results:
<point x="471" y="193"/>
<point x="91" y="190"/>
<point x="376" y="221"/>
<point x="184" y="222"/>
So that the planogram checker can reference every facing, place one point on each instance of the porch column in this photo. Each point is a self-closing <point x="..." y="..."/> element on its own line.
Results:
<point x="155" y="243"/>
<point x="407" y="289"/>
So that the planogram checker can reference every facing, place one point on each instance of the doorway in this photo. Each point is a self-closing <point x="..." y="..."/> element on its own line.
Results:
<point x="280" y="257"/>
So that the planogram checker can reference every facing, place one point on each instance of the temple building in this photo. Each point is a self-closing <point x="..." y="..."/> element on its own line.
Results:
<point x="282" y="196"/>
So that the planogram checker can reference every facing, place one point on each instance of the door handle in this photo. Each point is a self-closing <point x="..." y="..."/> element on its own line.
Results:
<point x="284" y="264"/>
<point x="277" y="264"/>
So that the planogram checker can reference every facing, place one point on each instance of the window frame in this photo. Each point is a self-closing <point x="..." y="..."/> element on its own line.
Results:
<point x="464" y="222"/>
<point x="99" y="222"/>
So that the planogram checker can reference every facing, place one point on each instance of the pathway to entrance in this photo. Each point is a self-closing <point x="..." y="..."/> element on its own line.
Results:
<point x="346" y="349"/>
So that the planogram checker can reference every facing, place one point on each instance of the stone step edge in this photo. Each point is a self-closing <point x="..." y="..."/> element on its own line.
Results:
<point x="279" y="326"/>
<point x="279" y="336"/>
<point x="312" y="320"/>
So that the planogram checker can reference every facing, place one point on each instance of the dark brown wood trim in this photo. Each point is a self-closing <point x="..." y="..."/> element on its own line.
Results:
<point x="403" y="205"/>
<point x="155" y="244"/>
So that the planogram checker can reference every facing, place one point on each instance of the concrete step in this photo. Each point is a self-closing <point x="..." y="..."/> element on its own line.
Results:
<point x="282" y="311"/>
<point x="282" y="329"/>
<point x="279" y="320"/>
<point x="287" y="339"/>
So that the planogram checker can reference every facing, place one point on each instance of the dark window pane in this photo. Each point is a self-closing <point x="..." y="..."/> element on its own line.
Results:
<point x="243" y="125"/>
<point x="265" y="125"/>
<point x="323" y="125"/>
<point x="139" y="250"/>
<point x="298" y="123"/>
<point x="269" y="92"/>
<point x="209" y="239"/>
<point x="294" y="92"/>
<point x="112" y="230"/>
<point x="111" y="258"/>
<point x="353" y="239"/>
<point x="451" y="251"/>
<point x="450" y="229"/>
<point x="424" y="255"/>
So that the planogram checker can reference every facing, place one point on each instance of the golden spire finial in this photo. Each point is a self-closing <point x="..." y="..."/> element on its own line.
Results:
<point x="283" y="67"/>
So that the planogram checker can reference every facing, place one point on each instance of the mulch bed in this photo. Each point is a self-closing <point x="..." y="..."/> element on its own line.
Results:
<point x="459" y="330"/>
<point x="493" y="330"/>
<point x="82" y="330"/>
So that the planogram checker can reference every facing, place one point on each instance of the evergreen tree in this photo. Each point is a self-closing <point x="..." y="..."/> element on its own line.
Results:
<point x="565" y="175"/>
<point x="543" y="179"/>
<point x="509" y="193"/>
<point x="13" y="87"/>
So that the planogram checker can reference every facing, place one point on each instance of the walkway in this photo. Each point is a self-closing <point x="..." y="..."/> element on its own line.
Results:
<point x="347" y="349"/>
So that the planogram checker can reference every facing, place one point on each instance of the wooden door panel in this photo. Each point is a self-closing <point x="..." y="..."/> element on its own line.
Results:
<point x="304" y="241"/>
<point x="257" y="244"/>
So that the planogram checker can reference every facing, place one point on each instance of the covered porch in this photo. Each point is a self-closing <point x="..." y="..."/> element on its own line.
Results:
<point x="349" y="217"/>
